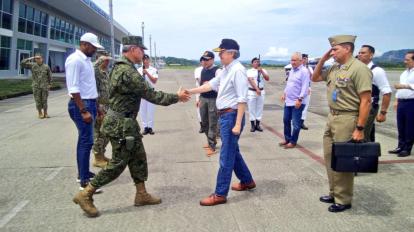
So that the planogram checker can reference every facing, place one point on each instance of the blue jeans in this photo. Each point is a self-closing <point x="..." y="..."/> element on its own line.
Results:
<point x="85" y="136"/>
<point x="292" y="116"/>
<point x="230" y="157"/>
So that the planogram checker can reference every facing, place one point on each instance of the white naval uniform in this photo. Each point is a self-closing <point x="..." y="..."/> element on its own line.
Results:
<point x="197" y="77"/>
<point x="254" y="102"/>
<point x="306" y="101"/>
<point x="147" y="109"/>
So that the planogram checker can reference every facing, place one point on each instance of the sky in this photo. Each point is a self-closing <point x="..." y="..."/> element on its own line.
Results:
<point x="272" y="28"/>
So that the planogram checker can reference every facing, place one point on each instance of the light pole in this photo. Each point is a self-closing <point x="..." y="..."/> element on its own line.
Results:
<point x="142" y="28"/>
<point x="112" y="29"/>
<point x="150" y="48"/>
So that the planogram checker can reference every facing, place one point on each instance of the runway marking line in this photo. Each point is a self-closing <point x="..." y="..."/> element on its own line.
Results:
<point x="320" y="159"/>
<point x="10" y="215"/>
<point x="53" y="174"/>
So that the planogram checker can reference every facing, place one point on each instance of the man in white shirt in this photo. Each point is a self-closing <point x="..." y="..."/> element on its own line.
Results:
<point x="306" y="101"/>
<point x="197" y="77"/>
<point x="256" y="94"/>
<point x="147" y="109"/>
<point x="232" y="86"/>
<point x="405" y="108"/>
<point x="82" y="107"/>
<point x="380" y="85"/>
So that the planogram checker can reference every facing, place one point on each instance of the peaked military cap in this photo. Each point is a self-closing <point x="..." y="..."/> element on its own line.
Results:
<point x="133" y="40"/>
<point x="340" y="39"/>
<point x="207" y="55"/>
<point x="227" y="44"/>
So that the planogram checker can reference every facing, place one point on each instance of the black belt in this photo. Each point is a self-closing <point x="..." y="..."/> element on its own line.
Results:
<point x="255" y="89"/>
<point x="225" y="110"/>
<point x="92" y="99"/>
<point x="405" y="99"/>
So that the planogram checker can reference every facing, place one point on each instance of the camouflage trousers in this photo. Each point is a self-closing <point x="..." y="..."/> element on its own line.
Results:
<point x="134" y="158"/>
<point x="40" y="95"/>
<point x="100" y="140"/>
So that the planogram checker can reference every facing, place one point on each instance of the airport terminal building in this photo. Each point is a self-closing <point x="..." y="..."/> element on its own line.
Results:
<point x="52" y="28"/>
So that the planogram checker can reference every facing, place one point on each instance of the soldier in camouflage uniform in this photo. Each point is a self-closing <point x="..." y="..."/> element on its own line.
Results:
<point x="102" y="85"/>
<point x="127" y="87"/>
<point x="42" y="77"/>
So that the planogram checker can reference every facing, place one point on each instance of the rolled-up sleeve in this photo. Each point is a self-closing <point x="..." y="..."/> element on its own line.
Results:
<point x="214" y="83"/>
<point x="241" y="85"/>
<point x="382" y="81"/>
<point x="72" y="68"/>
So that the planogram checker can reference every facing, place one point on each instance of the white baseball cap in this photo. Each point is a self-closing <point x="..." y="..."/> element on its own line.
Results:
<point x="92" y="39"/>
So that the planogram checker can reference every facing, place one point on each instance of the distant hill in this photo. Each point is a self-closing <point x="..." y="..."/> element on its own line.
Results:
<point x="392" y="58"/>
<point x="179" y="61"/>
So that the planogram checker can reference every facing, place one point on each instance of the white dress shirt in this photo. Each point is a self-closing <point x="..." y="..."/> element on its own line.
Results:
<point x="231" y="85"/>
<point x="406" y="78"/>
<point x="380" y="79"/>
<point x="80" y="75"/>
<point x="152" y="71"/>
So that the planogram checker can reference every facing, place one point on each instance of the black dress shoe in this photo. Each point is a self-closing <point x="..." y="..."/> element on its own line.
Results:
<point x="395" y="151"/>
<point x="150" y="131"/>
<point x="304" y="127"/>
<point x="146" y="131"/>
<point x="336" y="208"/>
<point x="327" y="199"/>
<point x="404" y="154"/>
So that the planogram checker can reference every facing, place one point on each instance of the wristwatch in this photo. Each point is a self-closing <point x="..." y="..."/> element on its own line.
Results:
<point x="83" y="110"/>
<point x="383" y="112"/>
<point x="360" y="128"/>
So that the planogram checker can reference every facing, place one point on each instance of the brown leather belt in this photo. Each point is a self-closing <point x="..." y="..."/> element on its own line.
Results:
<point x="225" y="110"/>
<point x="341" y="112"/>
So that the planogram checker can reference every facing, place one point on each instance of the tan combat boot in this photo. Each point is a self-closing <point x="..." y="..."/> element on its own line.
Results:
<point x="100" y="160"/>
<point x="144" y="198"/>
<point x="84" y="200"/>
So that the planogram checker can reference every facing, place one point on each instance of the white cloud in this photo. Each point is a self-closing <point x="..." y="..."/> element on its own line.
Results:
<point x="275" y="52"/>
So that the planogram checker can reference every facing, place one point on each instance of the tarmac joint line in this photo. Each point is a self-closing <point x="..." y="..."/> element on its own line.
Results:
<point x="10" y="215"/>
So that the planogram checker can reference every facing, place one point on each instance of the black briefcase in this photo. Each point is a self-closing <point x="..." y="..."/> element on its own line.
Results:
<point x="355" y="157"/>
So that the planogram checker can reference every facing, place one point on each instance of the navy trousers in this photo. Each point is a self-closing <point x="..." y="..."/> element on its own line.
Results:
<point x="405" y="124"/>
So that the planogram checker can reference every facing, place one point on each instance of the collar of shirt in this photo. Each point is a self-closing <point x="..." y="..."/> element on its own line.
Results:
<point x="409" y="70"/>
<point x="297" y="68"/>
<point x="228" y="67"/>
<point x="347" y="64"/>
<point x="82" y="55"/>
<point x="370" y="64"/>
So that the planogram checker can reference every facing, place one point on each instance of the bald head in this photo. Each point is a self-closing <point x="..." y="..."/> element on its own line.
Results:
<point x="296" y="59"/>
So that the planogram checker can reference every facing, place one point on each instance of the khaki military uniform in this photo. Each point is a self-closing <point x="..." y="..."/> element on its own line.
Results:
<point x="102" y="85"/>
<point x="42" y="77"/>
<point x="127" y="87"/>
<point x="344" y="84"/>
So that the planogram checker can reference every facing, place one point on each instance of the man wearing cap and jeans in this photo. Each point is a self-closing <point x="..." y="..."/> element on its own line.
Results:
<point x="208" y="109"/>
<point x="82" y="107"/>
<point x="232" y="86"/>
<point x="349" y="84"/>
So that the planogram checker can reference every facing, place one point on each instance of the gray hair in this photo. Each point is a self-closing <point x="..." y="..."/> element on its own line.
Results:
<point x="298" y="54"/>
<point x="236" y="53"/>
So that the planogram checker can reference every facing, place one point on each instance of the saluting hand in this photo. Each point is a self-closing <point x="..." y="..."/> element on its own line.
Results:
<point x="327" y="55"/>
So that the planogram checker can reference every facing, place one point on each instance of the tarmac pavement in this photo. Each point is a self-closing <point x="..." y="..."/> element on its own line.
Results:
<point x="38" y="173"/>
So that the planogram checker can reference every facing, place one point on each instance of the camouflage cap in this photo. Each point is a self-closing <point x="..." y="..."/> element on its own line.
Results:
<point x="340" y="39"/>
<point x="102" y="52"/>
<point x="133" y="40"/>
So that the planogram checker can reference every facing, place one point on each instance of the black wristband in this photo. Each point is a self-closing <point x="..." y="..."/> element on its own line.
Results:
<point x="360" y="128"/>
